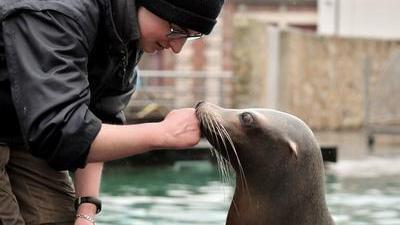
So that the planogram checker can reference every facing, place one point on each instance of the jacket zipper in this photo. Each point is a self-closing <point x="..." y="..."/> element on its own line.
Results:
<point x="124" y="63"/>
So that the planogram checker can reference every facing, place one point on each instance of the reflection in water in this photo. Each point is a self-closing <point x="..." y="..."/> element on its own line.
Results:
<point x="192" y="193"/>
<point x="365" y="192"/>
<point x="183" y="194"/>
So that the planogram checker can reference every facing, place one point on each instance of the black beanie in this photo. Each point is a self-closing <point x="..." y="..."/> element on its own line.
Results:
<point x="198" y="15"/>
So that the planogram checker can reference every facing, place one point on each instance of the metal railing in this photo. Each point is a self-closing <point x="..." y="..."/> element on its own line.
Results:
<point x="382" y="99"/>
<point x="162" y="91"/>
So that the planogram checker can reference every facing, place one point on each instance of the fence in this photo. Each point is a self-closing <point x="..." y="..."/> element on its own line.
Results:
<point x="382" y="99"/>
<point x="161" y="91"/>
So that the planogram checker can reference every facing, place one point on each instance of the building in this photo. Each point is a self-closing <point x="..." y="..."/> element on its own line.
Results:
<point x="214" y="52"/>
<point x="359" y="18"/>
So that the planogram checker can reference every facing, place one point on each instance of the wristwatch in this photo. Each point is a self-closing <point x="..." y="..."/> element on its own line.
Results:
<point x="88" y="199"/>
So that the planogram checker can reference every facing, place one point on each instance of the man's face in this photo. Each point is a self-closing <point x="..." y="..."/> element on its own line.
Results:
<point x="153" y="33"/>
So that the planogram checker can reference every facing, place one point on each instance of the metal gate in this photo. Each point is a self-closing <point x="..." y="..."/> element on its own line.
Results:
<point x="161" y="91"/>
<point x="383" y="99"/>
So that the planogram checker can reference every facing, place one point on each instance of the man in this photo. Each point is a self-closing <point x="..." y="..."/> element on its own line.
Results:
<point x="66" y="74"/>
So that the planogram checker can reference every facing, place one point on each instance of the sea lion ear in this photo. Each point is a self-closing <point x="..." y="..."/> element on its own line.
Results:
<point x="293" y="147"/>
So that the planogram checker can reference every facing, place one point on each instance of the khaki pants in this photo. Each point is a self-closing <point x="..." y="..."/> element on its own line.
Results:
<point x="31" y="192"/>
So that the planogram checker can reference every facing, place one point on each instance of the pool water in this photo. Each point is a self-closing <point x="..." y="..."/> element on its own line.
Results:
<point x="192" y="193"/>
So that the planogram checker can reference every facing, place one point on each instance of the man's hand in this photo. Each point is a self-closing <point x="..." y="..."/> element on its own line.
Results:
<point x="181" y="128"/>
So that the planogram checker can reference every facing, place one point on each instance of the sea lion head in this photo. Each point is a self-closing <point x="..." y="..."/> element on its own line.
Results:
<point x="275" y="155"/>
<point x="259" y="139"/>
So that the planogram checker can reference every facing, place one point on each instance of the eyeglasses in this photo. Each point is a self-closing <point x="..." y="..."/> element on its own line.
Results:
<point x="176" y="32"/>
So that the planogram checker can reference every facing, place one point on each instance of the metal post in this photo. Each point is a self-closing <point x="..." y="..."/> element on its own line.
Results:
<point x="367" y="110"/>
<point x="273" y="67"/>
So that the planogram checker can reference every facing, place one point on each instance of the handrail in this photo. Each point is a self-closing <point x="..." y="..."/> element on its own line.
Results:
<point x="185" y="74"/>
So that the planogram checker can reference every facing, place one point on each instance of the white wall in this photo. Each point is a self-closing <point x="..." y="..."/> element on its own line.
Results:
<point x="282" y="17"/>
<point x="360" y="18"/>
<point x="326" y="16"/>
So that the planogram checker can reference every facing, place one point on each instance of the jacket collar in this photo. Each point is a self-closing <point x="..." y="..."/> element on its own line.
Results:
<point x="124" y="14"/>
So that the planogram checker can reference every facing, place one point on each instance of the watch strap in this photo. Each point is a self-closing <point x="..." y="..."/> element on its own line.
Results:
<point x="88" y="199"/>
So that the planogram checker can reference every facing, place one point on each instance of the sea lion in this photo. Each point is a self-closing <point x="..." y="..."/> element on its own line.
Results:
<point x="278" y="165"/>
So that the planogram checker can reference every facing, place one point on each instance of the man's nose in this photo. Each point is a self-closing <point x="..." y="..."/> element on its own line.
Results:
<point x="177" y="44"/>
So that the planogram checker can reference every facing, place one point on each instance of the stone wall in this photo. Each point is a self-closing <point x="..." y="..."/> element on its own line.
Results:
<point x="320" y="79"/>
<point x="249" y="64"/>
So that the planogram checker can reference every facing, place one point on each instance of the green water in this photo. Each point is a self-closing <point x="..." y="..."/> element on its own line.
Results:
<point x="192" y="193"/>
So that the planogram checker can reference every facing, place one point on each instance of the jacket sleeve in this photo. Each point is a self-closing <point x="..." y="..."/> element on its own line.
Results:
<point x="47" y="57"/>
<point x="109" y="107"/>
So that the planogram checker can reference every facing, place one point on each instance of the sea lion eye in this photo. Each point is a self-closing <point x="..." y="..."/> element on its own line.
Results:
<point x="246" y="118"/>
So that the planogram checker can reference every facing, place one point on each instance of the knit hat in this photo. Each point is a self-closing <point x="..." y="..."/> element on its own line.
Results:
<point x="198" y="15"/>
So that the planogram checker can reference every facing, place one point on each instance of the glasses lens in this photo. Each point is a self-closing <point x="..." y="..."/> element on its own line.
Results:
<point x="194" y="37"/>
<point x="174" y="35"/>
<point x="177" y="32"/>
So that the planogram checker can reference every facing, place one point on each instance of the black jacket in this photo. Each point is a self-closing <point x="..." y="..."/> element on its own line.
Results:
<point x="65" y="67"/>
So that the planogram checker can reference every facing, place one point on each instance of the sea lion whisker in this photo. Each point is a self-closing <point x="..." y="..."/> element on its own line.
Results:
<point x="214" y="130"/>
<point x="216" y="135"/>
<point x="219" y="134"/>
<point x="243" y="177"/>
<point x="222" y="135"/>
<point x="223" y="168"/>
<point x="206" y="123"/>
<point x="214" y="153"/>
<point x="220" y="160"/>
